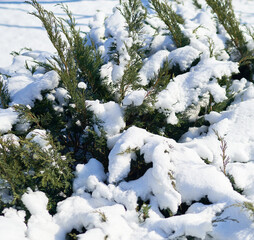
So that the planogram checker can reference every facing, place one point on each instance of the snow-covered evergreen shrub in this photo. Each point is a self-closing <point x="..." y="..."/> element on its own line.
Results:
<point x="140" y="110"/>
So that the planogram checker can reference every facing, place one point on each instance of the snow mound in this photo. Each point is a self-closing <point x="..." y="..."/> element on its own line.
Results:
<point x="110" y="114"/>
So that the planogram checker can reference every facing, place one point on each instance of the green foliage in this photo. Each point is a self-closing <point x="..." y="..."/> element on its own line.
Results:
<point x="148" y="117"/>
<point x="32" y="69"/>
<point x="223" y="105"/>
<point x="4" y="94"/>
<point x="87" y="58"/>
<point x="15" y="53"/>
<point x="26" y="115"/>
<point x="235" y="187"/>
<point x="130" y="78"/>
<point x="249" y="207"/>
<point x="76" y="60"/>
<point x="138" y="166"/>
<point x="77" y="134"/>
<point x="81" y="143"/>
<point x="95" y="145"/>
<point x="171" y="20"/>
<point x="102" y="215"/>
<point x="26" y="164"/>
<point x="144" y="212"/>
<point x="65" y="63"/>
<point x="197" y="4"/>
<point x="44" y="116"/>
<point x="160" y="80"/>
<point x="135" y="15"/>
<point x="226" y="16"/>
<point x="73" y="234"/>
<point x="166" y="213"/>
<point x="177" y="130"/>
<point x="145" y="116"/>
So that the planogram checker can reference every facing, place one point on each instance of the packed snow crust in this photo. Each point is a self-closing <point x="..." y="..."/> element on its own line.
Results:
<point x="188" y="172"/>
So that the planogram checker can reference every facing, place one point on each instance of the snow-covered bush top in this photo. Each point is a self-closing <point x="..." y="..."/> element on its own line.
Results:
<point x="142" y="130"/>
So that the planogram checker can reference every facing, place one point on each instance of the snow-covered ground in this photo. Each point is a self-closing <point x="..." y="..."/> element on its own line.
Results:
<point x="103" y="201"/>
<point x="18" y="29"/>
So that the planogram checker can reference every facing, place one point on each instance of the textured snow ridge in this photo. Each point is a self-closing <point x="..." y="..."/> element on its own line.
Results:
<point x="184" y="57"/>
<point x="8" y="117"/>
<point x="104" y="208"/>
<point x="234" y="125"/>
<point x="187" y="89"/>
<point x="110" y="114"/>
<point x="25" y="87"/>
<point x="12" y="225"/>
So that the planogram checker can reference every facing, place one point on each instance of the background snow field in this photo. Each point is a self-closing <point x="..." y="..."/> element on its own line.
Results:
<point x="18" y="29"/>
<point x="186" y="191"/>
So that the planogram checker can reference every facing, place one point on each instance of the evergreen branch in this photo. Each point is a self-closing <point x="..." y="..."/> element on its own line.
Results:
<point x="226" y="16"/>
<point x="161" y="80"/>
<point x="224" y="156"/>
<point x="135" y="14"/>
<point x="4" y="94"/>
<point x="171" y="20"/>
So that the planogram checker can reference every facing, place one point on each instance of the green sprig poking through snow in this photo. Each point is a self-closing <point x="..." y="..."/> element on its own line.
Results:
<point x="134" y="14"/>
<point x="4" y="95"/>
<point x="226" y="16"/>
<point x="144" y="212"/>
<point x="171" y="20"/>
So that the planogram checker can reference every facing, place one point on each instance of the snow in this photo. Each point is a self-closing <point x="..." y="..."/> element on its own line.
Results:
<point x="186" y="89"/>
<point x="41" y="222"/>
<point x="105" y="199"/>
<point x="121" y="154"/>
<point x="39" y="136"/>
<point x="36" y="202"/>
<point x="8" y="117"/>
<point x="227" y="124"/>
<point x="25" y="87"/>
<point x="135" y="97"/>
<point x="19" y="29"/>
<point x="32" y="87"/>
<point x="152" y="65"/>
<point x="243" y="177"/>
<point x="83" y="172"/>
<point x="61" y="95"/>
<point x="110" y="114"/>
<point x="12" y="224"/>
<point x="82" y="85"/>
<point x="184" y="57"/>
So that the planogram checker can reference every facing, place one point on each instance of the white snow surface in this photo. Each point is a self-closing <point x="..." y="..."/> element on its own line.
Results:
<point x="187" y="89"/>
<point x="25" y="87"/>
<point x="12" y="225"/>
<point x="8" y="117"/>
<point x="105" y="201"/>
<point x="110" y="114"/>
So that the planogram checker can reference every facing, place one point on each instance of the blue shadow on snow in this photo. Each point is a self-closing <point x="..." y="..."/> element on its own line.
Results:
<point x="41" y="2"/>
